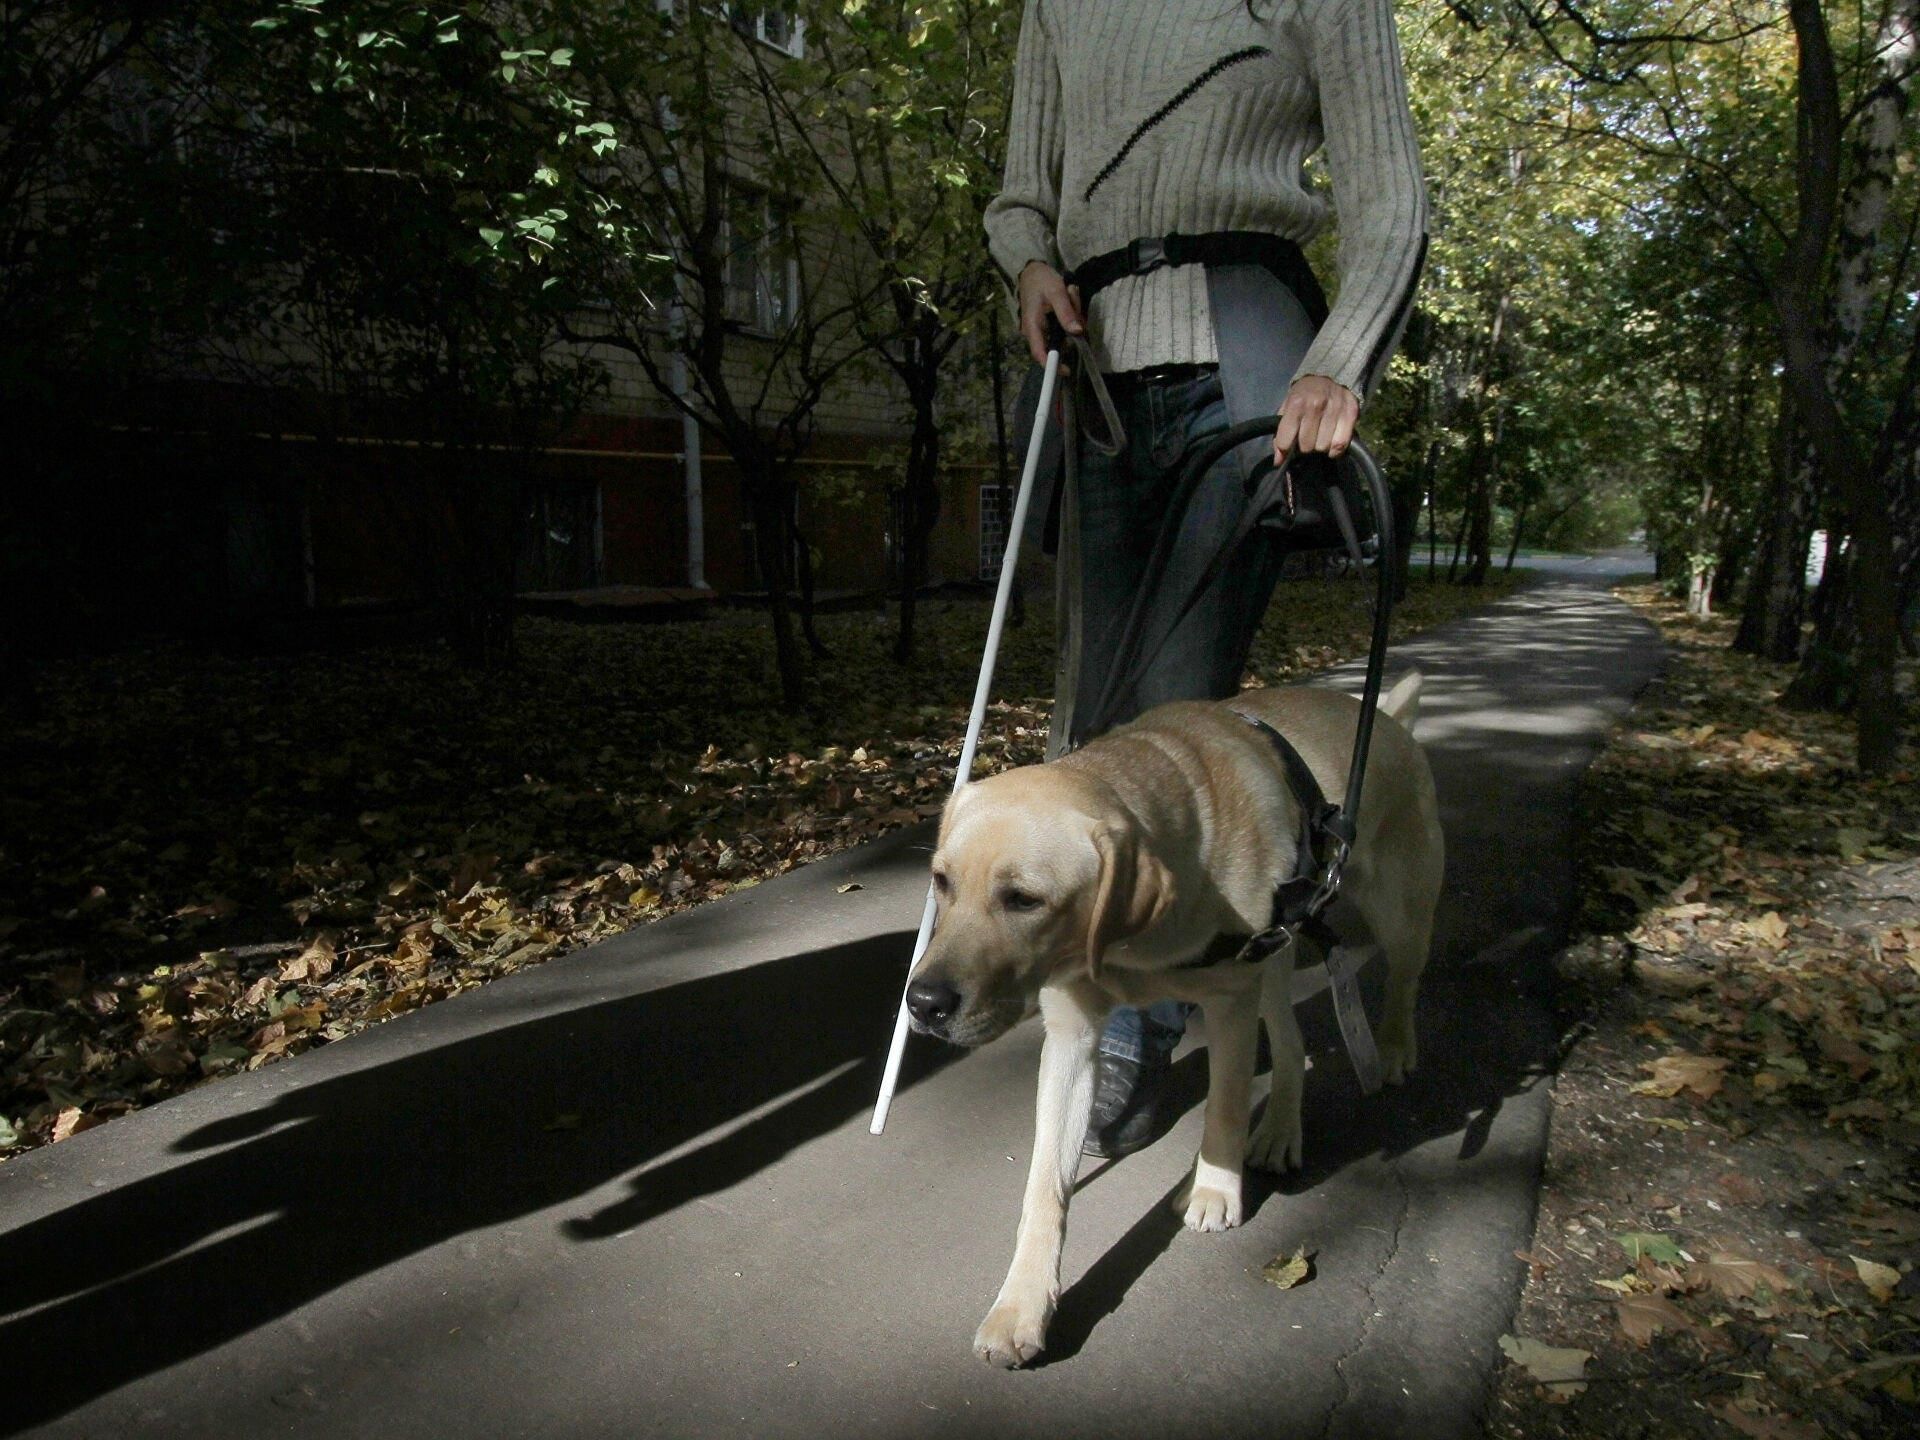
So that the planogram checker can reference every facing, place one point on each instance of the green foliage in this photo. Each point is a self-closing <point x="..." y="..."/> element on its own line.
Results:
<point x="402" y="203"/>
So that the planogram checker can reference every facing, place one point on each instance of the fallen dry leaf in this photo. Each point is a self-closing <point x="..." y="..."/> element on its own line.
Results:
<point x="168" y="1055"/>
<point x="1734" y="1277"/>
<point x="70" y="1122"/>
<point x="1560" y="1370"/>
<point x="1879" y="1279"/>
<point x="1287" y="1271"/>
<point x="312" y="964"/>
<point x="1765" y="1427"/>
<point x="1644" y="1316"/>
<point x="1671" y="1074"/>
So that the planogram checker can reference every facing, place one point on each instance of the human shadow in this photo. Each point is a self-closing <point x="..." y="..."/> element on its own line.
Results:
<point x="339" y="1178"/>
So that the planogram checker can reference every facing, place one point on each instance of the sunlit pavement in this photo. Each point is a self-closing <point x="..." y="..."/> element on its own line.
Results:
<point x="632" y="1192"/>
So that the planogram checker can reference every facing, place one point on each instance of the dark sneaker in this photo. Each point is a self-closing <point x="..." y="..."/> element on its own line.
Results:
<point x="1129" y="1105"/>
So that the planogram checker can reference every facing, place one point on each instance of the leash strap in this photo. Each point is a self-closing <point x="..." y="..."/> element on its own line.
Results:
<point x="1326" y="838"/>
<point x="1343" y="968"/>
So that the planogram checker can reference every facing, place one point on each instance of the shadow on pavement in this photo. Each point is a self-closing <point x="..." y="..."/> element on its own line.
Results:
<point x="342" y="1177"/>
<point x="1478" y="1048"/>
<point x="1509" y="721"/>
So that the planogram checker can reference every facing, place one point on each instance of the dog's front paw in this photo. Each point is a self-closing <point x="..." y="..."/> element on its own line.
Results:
<point x="1011" y="1336"/>
<point x="1275" y="1144"/>
<point x="1210" y="1200"/>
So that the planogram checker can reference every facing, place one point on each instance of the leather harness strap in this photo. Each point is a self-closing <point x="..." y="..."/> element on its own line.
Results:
<point x="1223" y="247"/>
<point x="1327" y="830"/>
<point x="1326" y="838"/>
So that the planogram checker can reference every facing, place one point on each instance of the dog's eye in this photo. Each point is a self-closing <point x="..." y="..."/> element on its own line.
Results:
<point x="1020" y="900"/>
<point x="940" y="882"/>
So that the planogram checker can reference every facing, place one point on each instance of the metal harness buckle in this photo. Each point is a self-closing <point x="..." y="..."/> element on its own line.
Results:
<point x="1329" y="882"/>
<point x="1145" y="254"/>
<point x="1267" y="943"/>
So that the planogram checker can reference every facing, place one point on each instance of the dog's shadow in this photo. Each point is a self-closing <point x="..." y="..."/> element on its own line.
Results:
<point x="1479" y="1045"/>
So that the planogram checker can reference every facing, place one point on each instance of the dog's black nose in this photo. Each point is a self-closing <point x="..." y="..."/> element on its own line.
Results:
<point x="932" y="1002"/>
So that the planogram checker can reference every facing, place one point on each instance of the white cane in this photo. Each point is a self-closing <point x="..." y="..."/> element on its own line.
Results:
<point x="964" y="771"/>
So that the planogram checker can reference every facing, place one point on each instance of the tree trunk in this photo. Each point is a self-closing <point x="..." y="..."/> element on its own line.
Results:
<point x="1479" y="530"/>
<point x="1519" y="524"/>
<point x="1826" y="679"/>
<point x="1777" y="587"/>
<point x="1700" y="559"/>
<point x="803" y="566"/>
<point x="1871" y="559"/>
<point x="922" y="510"/>
<point x="1406" y="514"/>
<point x="1433" y="514"/>
<point x="1700" y="592"/>
<point x="770" y="508"/>
<point x="1486" y="487"/>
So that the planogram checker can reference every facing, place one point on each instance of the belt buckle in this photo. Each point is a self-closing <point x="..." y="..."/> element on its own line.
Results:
<point x="1145" y="254"/>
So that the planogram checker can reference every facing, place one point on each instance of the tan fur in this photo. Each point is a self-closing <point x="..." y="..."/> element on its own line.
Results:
<point x="1074" y="887"/>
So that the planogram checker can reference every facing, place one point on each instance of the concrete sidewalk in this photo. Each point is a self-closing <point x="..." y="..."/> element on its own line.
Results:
<point x="632" y="1193"/>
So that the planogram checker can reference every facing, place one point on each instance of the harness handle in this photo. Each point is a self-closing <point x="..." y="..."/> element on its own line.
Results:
<point x="1267" y="484"/>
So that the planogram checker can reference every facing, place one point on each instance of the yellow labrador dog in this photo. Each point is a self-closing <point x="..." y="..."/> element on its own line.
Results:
<point x="1073" y="887"/>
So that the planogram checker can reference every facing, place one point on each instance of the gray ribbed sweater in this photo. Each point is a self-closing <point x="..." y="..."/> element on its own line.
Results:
<point x="1145" y="117"/>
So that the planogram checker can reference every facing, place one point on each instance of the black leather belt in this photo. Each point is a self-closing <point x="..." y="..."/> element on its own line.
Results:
<point x="1162" y="375"/>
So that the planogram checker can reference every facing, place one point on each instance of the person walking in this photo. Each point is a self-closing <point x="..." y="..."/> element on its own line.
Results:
<point x="1156" y="153"/>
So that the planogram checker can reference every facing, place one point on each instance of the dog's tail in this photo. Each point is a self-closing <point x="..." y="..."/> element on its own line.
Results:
<point x="1403" y="701"/>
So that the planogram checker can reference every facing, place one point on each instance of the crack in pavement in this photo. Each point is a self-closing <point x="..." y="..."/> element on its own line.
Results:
<point x="1367" y="1296"/>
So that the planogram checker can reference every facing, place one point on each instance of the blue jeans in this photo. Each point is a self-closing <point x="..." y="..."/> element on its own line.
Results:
<point x="1121" y="501"/>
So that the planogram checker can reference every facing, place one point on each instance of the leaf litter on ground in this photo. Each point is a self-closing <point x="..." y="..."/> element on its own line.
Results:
<point x="210" y="862"/>
<point x="1738" y="1112"/>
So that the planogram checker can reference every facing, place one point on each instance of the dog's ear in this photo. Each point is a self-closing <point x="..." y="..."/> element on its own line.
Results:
<point x="1134" y="891"/>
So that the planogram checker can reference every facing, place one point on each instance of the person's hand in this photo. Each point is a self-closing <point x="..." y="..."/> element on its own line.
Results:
<point x="1317" y="417"/>
<point x="1042" y="293"/>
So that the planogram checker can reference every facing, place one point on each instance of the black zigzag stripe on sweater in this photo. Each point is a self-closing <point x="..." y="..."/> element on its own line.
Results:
<point x="1187" y="92"/>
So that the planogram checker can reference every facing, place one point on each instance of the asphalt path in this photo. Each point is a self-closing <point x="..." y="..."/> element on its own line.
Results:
<point x="632" y="1192"/>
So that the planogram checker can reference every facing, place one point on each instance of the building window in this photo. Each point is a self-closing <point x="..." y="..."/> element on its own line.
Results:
<point x="762" y="271"/>
<point x="783" y="31"/>
<point x="993" y="530"/>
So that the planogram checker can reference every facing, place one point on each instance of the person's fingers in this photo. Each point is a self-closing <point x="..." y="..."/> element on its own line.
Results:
<point x="1346" y="413"/>
<point x="1033" y="326"/>
<point x="1318" y="416"/>
<point x="1285" y="434"/>
<point x="1058" y="298"/>
<point x="1311" y="416"/>
<point x="1033" y="308"/>
<point x="1044" y="294"/>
